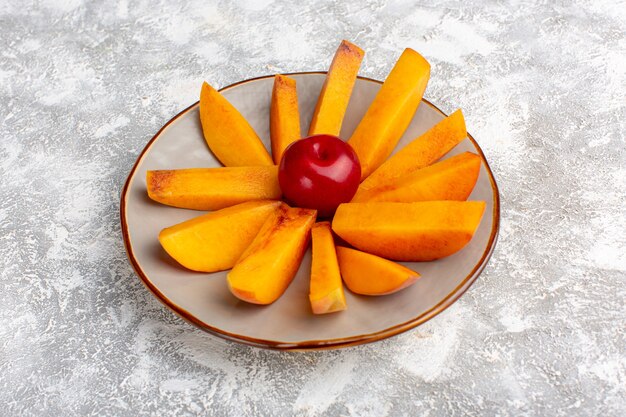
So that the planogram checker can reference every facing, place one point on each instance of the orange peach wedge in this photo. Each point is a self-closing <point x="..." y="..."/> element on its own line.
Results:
<point x="268" y="265"/>
<point x="391" y="111"/>
<point x="452" y="179"/>
<point x="213" y="188"/>
<point x="336" y="91"/>
<point x="420" y="152"/>
<point x="284" y="115"/>
<point x="326" y="291"/>
<point x="422" y="231"/>
<point x="368" y="274"/>
<point x="214" y="241"/>
<point x="229" y="136"/>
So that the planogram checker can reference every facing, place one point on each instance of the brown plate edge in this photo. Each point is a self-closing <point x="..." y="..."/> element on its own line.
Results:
<point x="313" y="344"/>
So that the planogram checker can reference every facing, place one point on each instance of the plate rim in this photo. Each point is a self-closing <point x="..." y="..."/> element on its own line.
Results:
<point x="321" y="344"/>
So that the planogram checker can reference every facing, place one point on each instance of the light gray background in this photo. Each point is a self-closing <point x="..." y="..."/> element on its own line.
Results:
<point x="83" y="87"/>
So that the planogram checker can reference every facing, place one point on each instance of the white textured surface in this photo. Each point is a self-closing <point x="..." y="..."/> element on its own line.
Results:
<point x="84" y="86"/>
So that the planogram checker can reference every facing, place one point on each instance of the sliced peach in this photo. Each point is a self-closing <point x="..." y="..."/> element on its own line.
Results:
<point x="268" y="265"/>
<point x="214" y="241"/>
<point x="326" y="291"/>
<point x="369" y="274"/>
<point x="229" y="136"/>
<point x="284" y="116"/>
<point x="422" y="231"/>
<point x="391" y="111"/>
<point x="419" y="153"/>
<point x="213" y="188"/>
<point x="336" y="91"/>
<point x="452" y="179"/>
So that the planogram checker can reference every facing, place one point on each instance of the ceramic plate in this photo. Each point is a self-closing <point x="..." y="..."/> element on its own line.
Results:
<point x="204" y="299"/>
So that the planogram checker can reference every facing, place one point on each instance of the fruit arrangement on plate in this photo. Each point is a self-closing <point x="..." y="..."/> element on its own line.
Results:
<point x="361" y="209"/>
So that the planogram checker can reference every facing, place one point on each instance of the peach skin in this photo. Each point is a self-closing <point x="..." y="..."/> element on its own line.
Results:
<point x="229" y="136"/>
<point x="213" y="188"/>
<point x="452" y="179"/>
<point x="326" y="289"/>
<point x="419" y="153"/>
<point x="391" y="111"/>
<point x="268" y="265"/>
<point x="368" y="274"/>
<point x="284" y="116"/>
<point x="336" y="91"/>
<point x="214" y="241"/>
<point x="422" y="231"/>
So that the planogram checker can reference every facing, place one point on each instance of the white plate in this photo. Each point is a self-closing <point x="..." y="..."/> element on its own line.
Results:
<point x="204" y="299"/>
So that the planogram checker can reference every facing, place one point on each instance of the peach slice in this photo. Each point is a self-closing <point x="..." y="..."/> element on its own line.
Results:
<point x="422" y="231"/>
<point x="326" y="291"/>
<point x="268" y="265"/>
<point x="284" y="116"/>
<point x="391" y="111"/>
<point x="452" y="179"/>
<point x="336" y="91"/>
<point x="229" y="136"/>
<point x="369" y="274"/>
<point x="420" y="152"/>
<point x="213" y="188"/>
<point x="214" y="241"/>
